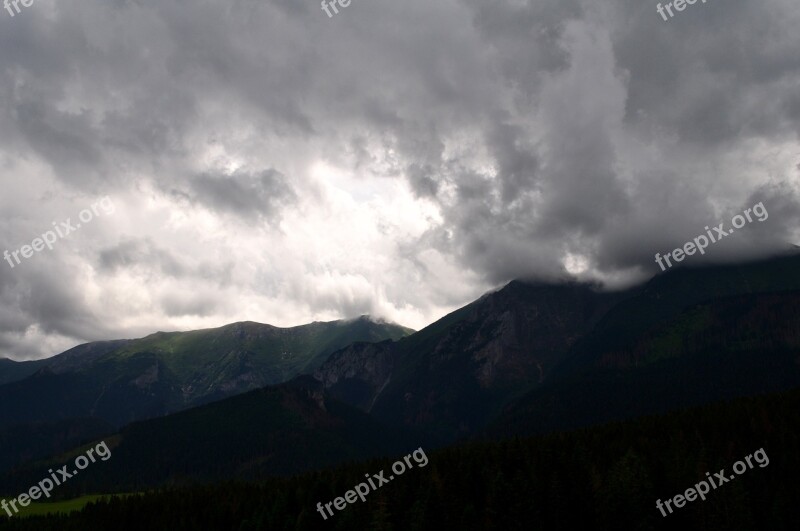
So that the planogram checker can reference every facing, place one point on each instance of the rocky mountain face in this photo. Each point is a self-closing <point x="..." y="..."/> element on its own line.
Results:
<point x="450" y="378"/>
<point x="358" y="374"/>
<point x="720" y="349"/>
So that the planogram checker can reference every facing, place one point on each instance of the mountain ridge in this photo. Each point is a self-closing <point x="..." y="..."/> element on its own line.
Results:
<point x="455" y="375"/>
<point x="526" y="358"/>
<point x="121" y="381"/>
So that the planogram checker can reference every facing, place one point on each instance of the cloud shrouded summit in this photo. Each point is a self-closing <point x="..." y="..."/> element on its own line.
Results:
<point x="269" y="163"/>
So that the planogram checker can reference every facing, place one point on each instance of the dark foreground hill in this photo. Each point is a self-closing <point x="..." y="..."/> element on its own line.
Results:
<point x="37" y="440"/>
<point x="276" y="430"/>
<point x="11" y="371"/>
<point x="607" y="478"/>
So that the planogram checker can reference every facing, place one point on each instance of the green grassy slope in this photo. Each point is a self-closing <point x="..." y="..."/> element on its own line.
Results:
<point x="165" y="372"/>
<point x="63" y="507"/>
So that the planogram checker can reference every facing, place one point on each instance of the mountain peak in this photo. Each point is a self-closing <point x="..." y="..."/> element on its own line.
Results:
<point x="369" y="318"/>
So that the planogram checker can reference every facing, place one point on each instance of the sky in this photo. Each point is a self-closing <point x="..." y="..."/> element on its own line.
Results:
<point x="260" y="160"/>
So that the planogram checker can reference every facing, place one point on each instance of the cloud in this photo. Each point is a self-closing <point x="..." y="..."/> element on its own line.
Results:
<point x="270" y="163"/>
<point x="260" y="196"/>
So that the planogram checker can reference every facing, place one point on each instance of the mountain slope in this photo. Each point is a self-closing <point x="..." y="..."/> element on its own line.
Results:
<point x="452" y="378"/>
<point x="32" y="441"/>
<point x="11" y="371"/>
<point x="122" y="381"/>
<point x="643" y="359"/>
<point x="277" y="430"/>
<point x="606" y="478"/>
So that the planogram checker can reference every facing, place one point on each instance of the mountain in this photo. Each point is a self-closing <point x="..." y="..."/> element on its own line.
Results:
<point x="454" y="376"/>
<point x="94" y="388"/>
<point x="37" y="440"/>
<point x="720" y="349"/>
<point x="529" y="358"/>
<point x="11" y="371"/>
<point x="546" y="345"/>
<point x="278" y="430"/>
<point x="606" y="477"/>
<point x="82" y="356"/>
<point x="123" y="381"/>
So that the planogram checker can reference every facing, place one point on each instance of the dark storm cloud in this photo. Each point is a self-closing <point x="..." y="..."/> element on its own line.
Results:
<point x="715" y="74"/>
<point x="601" y="87"/>
<point x="541" y="132"/>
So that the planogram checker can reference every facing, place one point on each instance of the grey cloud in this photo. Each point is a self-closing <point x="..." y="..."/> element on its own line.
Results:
<point x="40" y="303"/>
<point x="538" y="129"/>
<point x="142" y="253"/>
<point x="189" y="304"/>
<point x="146" y="256"/>
<point x="715" y="74"/>
<point x="654" y="82"/>
<point x="249" y="196"/>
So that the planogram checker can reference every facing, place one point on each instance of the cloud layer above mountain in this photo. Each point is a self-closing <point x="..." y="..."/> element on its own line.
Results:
<point x="273" y="164"/>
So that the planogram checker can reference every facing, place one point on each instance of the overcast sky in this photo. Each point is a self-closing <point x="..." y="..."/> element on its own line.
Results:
<point x="269" y="163"/>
